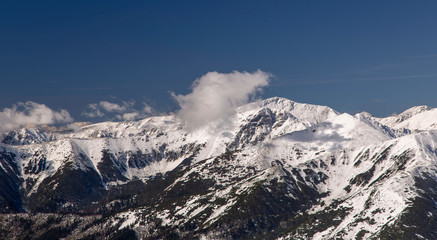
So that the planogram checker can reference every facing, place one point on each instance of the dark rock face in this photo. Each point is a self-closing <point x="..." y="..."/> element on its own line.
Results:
<point x="10" y="199"/>
<point x="257" y="128"/>
<point x="111" y="169"/>
<point x="69" y="190"/>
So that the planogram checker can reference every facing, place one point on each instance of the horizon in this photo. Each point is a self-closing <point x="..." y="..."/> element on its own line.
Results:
<point x="76" y="125"/>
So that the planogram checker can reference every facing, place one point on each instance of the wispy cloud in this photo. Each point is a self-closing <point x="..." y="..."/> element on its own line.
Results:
<point x="113" y="107"/>
<point x="31" y="114"/>
<point x="118" y="111"/>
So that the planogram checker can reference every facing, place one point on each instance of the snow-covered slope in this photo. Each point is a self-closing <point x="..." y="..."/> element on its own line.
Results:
<point x="420" y="118"/>
<point x="26" y="136"/>
<point x="276" y="169"/>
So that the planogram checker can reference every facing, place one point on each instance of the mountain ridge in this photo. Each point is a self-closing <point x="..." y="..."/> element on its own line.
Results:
<point x="273" y="168"/>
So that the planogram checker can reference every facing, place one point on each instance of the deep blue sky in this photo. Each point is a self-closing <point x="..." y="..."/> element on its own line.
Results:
<point x="377" y="56"/>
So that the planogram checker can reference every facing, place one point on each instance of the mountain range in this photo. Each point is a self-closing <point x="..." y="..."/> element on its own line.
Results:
<point x="276" y="169"/>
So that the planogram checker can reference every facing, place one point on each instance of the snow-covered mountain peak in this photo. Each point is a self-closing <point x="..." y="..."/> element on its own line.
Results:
<point x="412" y="111"/>
<point x="418" y="118"/>
<point x="26" y="136"/>
<point x="276" y="168"/>
<point x="407" y="114"/>
<point x="341" y="132"/>
<point x="304" y="112"/>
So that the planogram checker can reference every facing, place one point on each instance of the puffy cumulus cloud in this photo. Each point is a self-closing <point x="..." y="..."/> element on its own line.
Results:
<point x="118" y="111"/>
<point x="215" y="96"/>
<point x="24" y="114"/>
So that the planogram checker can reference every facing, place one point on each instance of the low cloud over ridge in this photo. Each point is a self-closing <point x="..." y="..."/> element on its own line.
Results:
<point x="31" y="114"/>
<point x="114" y="111"/>
<point x="215" y="96"/>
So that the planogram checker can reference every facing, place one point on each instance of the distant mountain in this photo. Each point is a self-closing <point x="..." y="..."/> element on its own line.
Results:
<point x="277" y="169"/>
<point x="415" y="119"/>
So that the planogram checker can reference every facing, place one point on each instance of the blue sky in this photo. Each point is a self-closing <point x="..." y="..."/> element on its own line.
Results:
<point x="375" y="56"/>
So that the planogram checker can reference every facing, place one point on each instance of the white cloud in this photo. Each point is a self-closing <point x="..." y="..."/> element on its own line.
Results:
<point x="216" y="95"/>
<point x="31" y="114"/>
<point x="148" y="109"/>
<point x="128" y="116"/>
<point x="113" y="107"/>
<point x="93" y="111"/>
<point x="124" y="111"/>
